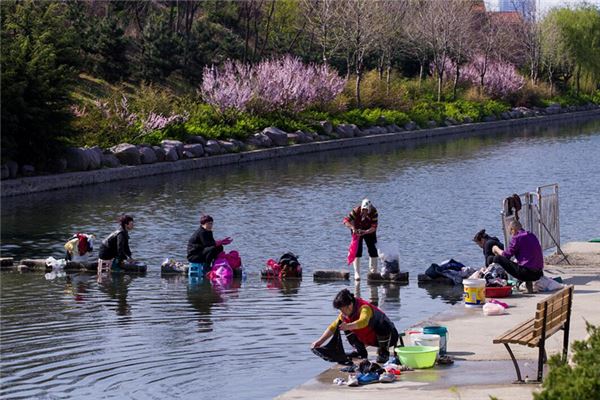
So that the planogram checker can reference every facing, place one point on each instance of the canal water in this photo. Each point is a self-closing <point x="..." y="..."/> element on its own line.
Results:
<point x="155" y="337"/>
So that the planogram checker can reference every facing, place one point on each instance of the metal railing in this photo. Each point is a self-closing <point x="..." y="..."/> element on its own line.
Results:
<point x="539" y="215"/>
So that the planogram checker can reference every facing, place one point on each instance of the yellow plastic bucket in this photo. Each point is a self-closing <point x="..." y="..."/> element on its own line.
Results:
<point x="474" y="292"/>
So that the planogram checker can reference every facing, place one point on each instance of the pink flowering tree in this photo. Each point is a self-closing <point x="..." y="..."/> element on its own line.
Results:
<point x="496" y="78"/>
<point x="285" y="84"/>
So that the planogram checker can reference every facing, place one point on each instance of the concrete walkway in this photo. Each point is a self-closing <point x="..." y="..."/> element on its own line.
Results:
<point x="481" y="368"/>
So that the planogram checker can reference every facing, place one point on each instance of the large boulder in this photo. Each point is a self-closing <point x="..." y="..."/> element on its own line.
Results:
<point x="196" y="150"/>
<point x="57" y="165"/>
<point x="27" y="170"/>
<point x="489" y="118"/>
<point x="77" y="159"/>
<point x="277" y="136"/>
<point x="173" y="143"/>
<point x="4" y="172"/>
<point x="553" y="109"/>
<point x="410" y="126"/>
<point x="212" y="147"/>
<point x="394" y="128"/>
<point x="431" y="124"/>
<point x="229" y="146"/>
<point x="327" y="127"/>
<point x="260" y="140"/>
<point x="346" y="130"/>
<point x="13" y="168"/>
<point x="171" y="154"/>
<point x="109" y="160"/>
<point x="196" y="140"/>
<point x="159" y="153"/>
<point x="147" y="155"/>
<point x="94" y="155"/>
<point x="127" y="154"/>
<point x="299" y="137"/>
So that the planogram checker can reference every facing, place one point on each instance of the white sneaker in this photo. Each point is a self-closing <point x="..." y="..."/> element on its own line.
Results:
<point x="387" y="378"/>
<point x="352" y="380"/>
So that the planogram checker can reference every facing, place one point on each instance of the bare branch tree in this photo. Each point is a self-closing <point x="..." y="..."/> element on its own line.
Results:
<point x="321" y="17"/>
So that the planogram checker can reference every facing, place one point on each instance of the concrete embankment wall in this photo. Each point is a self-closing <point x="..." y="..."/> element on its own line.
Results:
<point x="20" y="186"/>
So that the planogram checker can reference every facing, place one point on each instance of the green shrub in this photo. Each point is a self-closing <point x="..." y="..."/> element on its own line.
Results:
<point x="581" y="381"/>
<point x="461" y="109"/>
<point x="426" y="111"/>
<point x="395" y="117"/>
<point x="494" y="107"/>
<point x="355" y="117"/>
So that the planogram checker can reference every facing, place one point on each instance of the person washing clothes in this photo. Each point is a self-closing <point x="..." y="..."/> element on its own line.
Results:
<point x="202" y="248"/>
<point x="526" y="249"/>
<point x="362" y="221"/>
<point x="487" y="242"/>
<point x="116" y="246"/>
<point x="364" y="325"/>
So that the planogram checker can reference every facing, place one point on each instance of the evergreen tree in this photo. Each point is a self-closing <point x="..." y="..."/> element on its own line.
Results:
<point x="161" y="49"/>
<point x="39" y="58"/>
<point x="109" y="50"/>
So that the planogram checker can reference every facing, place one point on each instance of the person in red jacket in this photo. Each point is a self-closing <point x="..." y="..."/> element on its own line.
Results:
<point x="362" y="221"/>
<point x="364" y="325"/>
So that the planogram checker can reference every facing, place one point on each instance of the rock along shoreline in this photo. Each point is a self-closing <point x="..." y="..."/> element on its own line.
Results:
<point x="369" y="136"/>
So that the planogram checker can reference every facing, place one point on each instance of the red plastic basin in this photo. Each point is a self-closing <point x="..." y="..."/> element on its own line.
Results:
<point x="496" y="292"/>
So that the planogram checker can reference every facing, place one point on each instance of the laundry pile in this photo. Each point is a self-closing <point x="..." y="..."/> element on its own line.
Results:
<point x="367" y="372"/>
<point x="287" y="267"/>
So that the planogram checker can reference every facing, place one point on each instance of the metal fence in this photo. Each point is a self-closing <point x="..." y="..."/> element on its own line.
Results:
<point x="538" y="214"/>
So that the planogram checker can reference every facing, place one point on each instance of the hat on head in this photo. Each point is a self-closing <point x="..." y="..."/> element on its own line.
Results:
<point x="366" y="203"/>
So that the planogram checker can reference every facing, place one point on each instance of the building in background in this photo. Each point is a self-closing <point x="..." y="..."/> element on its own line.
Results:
<point x="524" y="7"/>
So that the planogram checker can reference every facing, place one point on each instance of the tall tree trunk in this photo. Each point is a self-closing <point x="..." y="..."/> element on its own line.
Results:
<point x="440" y="83"/>
<point x="456" y="78"/>
<point x="578" y="76"/>
<point x="267" y="29"/>
<point x="358" y="80"/>
<point x="420" y="73"/>
<point x="388" y="74"/>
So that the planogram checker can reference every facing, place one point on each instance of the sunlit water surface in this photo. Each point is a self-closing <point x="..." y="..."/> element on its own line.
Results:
<point x="158" y="337"/>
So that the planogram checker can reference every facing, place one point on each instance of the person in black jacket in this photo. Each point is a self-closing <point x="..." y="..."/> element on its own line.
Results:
<point x="487" y="242"/>
<point x="202" y="248"/>
<point x="116" y="246"/>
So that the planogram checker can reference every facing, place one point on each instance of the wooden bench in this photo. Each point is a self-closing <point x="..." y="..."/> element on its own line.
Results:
<point x="552" y="314"/>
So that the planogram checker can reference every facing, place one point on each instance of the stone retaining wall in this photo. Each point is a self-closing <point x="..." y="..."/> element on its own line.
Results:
<point x="27" y="185"/>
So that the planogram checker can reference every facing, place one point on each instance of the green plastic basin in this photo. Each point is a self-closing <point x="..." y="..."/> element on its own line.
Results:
<point x="417" y="356"/>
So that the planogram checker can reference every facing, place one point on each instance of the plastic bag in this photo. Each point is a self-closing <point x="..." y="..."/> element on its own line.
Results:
<point x="493" y="309"/>
<point x="57" y="266"/>
<point x="353" y="248"/>
<point x="390" y="258"/>
<point x="545" y="284"/>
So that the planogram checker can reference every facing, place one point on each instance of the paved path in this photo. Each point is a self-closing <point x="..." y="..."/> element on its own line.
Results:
<point x="482" y="369"/>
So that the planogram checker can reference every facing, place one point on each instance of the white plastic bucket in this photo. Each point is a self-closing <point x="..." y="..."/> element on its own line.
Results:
<point x="474" y="292"/>
<point x="424" y="339"/>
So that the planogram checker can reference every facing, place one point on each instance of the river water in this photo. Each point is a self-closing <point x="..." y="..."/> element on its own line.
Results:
<point x="158" y="337"/>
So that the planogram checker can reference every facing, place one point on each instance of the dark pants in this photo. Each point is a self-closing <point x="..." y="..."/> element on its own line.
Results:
<point x="370" y="239"/>
<point x="518" y="271"/>
<point x="384" y="332"/>
<point x="489" y="260"/>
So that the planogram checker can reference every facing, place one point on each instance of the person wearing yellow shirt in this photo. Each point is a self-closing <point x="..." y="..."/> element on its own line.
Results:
<point x="364" y="325"/>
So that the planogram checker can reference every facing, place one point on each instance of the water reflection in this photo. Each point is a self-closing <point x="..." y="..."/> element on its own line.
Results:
<point x="451" y="294"/>
<point x="79" y="285"/>
<point x="116" y="286"/>
<point x="287" y="287"/>
<point x="433" y="194"/>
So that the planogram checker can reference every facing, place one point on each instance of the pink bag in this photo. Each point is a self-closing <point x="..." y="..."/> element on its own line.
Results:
<point x="353" y="249"/>
<point x="234" y="260"/>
